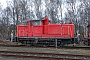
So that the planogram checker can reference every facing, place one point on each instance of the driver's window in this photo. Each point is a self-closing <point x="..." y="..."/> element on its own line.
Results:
<point x="36" y="23"/>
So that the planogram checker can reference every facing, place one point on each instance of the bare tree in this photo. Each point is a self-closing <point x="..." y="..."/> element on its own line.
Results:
<point x="19" y="11"/>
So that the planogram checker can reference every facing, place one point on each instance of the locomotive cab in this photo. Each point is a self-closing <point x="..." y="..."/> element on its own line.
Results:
<point x="36" y="28"/>
<point x="44" y="21"/>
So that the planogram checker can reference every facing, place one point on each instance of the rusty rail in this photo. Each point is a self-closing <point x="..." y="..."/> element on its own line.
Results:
<point x="50" y="56"/>
<point x="65" y="47"/>
<point x="38" y="57"/>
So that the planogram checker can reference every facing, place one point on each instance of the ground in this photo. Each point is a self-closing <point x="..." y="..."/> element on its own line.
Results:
<point x="43" y="50"/>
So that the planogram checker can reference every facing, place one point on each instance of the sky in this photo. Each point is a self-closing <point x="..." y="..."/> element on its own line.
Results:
<point x="3" y="3"/>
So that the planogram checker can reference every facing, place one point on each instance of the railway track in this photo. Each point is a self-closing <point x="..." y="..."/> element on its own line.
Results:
<point x="65" y="47"/>
<point x="48" y="56"/>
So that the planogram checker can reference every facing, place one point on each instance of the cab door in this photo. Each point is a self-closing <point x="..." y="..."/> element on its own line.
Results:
<point x="37" y="28"/>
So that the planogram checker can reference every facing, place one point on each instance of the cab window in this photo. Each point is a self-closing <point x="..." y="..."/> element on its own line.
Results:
<point x="36" y="23"/>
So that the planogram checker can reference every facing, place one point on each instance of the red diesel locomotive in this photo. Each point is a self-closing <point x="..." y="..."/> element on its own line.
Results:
<point x="42" y="32"/>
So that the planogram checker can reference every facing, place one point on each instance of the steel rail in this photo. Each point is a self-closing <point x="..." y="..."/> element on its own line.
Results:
<point x="48" y="55"/>
<point x="62" y="47"/>
<point x="38" y="57"/>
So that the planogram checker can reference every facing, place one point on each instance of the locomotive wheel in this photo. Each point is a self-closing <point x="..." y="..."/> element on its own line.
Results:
<point x="60" y="43"/>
